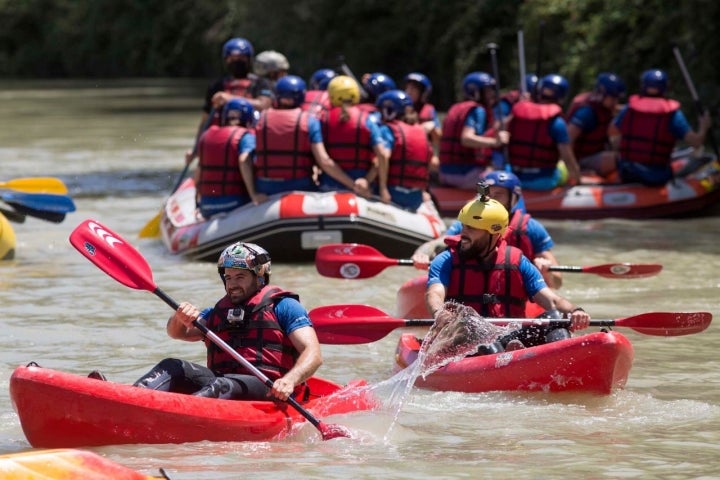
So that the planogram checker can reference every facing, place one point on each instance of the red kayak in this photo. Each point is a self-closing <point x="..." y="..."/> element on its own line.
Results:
<point x="595" y="363"/>
<point x="62" y="410"/>
<point x="410" y="300"/>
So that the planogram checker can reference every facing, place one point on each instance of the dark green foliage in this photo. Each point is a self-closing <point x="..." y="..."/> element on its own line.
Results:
<point x="444" y="39"/>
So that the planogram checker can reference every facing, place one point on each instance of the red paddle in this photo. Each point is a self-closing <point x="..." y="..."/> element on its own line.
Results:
<point x="113" y="255"/>
<point x="352" y="260"/>
<point x="353" y="324"/>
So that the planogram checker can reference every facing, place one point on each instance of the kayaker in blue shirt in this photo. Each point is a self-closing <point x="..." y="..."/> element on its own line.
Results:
<point x="524" y="232"/>
<point x="646" y="130"/>
<point x="482" y="271"/>
<point x="265" y="324"/>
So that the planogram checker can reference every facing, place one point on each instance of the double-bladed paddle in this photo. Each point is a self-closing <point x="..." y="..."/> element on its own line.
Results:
<point x="352" y="260"/>
<point x="354" y="324"/>
<point x="46" y="206"/>
<point x="120" y="260"/>
<point x="36" y="185"/>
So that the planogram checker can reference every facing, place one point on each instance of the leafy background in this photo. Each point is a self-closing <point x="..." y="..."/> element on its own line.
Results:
<point x="444" y="39"/>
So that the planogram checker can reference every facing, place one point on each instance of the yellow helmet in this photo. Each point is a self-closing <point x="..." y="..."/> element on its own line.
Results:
<point x="343" y="89"/>
<point x="485" y="214"/>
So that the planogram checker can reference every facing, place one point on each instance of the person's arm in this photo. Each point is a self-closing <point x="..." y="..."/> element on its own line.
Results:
<point x="329" y="166"/>
<point x="543" y="261"/>
<point x="435" y="298"/>
<point x="180" y="324"/>
<point x="305" y="341"/>
<point x="568" y="156"/>
<point x="549" y="300"/>
<point x="248" y="177"/>
<point x="696" y="139"/>
<point x="469" y="139"/>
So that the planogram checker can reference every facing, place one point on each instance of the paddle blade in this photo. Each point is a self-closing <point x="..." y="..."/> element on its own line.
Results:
<point x="152" y="228"/>
<point x="350" y="260"/>
<point x="352" y="324"/>
<point x="624" y="270"/>
<point x="330" y="431"/>
<point x="45" y="202"/>
<point x="667" y="324"/>
<point x="36" y="185"/>
<point x="113" y="255"/>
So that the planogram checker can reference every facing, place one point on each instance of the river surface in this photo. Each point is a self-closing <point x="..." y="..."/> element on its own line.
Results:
<point x="119" y="147"/>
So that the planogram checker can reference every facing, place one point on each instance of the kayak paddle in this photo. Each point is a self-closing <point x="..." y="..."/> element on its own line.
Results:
<point x="13" y="216"/>
<point x="36" y="185"/>
<point x="46" y="206"/>
<point x="120" y="260"/>
<point x="354" y="324"/>
<point x="352" y="260"/>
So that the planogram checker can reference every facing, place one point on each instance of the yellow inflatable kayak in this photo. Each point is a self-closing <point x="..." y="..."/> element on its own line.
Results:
<point x="64" y="464"/>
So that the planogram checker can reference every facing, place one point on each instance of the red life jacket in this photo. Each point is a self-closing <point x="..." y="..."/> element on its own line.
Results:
<point x="645" y="128"/>
<point x="255" y="334"/>
<point x="283" y="145"/>
<point x="516" y="234"/>
<point x="452" y="152"/>
<point x="596" y="140"/>
<point x="426" y="113"/>
<point x="410" y="156"/>
<point x="317" y="102"/>
<point x="531" y="145"/>
<point x="497" y="292"/>
<point x="239" y="87"/>
<point x="219" y="165"/>
<point x="348" y="142"/>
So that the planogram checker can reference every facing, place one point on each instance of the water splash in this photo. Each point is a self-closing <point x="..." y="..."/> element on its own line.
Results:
<point x="458" y="331"/>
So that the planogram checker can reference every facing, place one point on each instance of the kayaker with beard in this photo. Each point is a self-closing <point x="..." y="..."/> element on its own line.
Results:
<point x="524" y="232"/>
<point x="237" y="54"/>
<point x="483" y="272"/>
<point x="265" y="324"/>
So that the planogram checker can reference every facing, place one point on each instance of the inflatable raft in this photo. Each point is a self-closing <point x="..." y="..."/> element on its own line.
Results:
<point x="689" y="194"/>
<point x="291" y="226"/>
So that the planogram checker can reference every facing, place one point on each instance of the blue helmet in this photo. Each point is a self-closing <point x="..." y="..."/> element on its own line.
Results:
<point x="422" y="80"/>
<point x="553" y="87"/>
<point x="507" y="180"/>
<point x="392" y="103"/>
<point x="609" y="84"/>
<point x="531" y="81"/>
<point x="377" y="84"/>
<point x="474" y="82"/>
<point x="320" y="79"/>
<point x="237" y="46"/>
<point x="653" y="79"/>
<point x="292" y="87"/>
<point x="245" y="110"/>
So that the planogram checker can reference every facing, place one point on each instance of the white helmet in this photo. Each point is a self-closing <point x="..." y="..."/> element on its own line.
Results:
<point x="270" y="61"/>
<point x="246" y="256"/>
